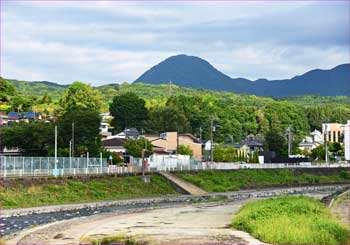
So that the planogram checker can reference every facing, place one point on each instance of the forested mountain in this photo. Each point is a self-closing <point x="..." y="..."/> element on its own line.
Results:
<point x="188" y="110"/>
<point x="191" y="71"/>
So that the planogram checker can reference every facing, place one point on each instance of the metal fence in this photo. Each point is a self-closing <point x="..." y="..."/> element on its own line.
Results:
<point x="20" y="167"/>
<point x="46" y="166"/>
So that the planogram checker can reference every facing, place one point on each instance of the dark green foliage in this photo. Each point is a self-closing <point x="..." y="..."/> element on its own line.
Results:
<point x="7" y="90"/>
<point x="276" y="141"/>
<point x="187" y="110"/>
<point x="86" y="132"/>
<point x="19" y="103"/>
<point x="134" y="147"/>
<point x="167" y="119"/>
<point x="291" y="220"/>
<point x="35" y="138"/>
<point x="129" y="111"/>
<point x="319" y="153"/>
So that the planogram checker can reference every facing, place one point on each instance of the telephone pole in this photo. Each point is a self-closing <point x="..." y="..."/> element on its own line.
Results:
<point x="170" y="92"/>
<point x="55" y="146"/>
<point x="73" y="138"/>
<point x="211" y="138"/>
<point x="326" y="144"/>
<point x="289" y="135"/>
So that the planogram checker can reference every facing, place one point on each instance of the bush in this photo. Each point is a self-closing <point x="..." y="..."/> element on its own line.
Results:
<point x="291" y="220"/>
<point x="344" y="174"/>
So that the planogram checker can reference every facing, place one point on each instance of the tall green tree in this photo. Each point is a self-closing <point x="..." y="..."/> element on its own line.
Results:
<point x="80" y="96"/>
<point x="276" y="141"/>
<point x="167" y="119"/>
<point x="128" y="111"/>
<point x="86" y="131"/>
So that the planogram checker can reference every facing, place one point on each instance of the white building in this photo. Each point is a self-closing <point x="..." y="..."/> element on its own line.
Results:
<point x="311" y="142"/>
<point x="347" y="141"/>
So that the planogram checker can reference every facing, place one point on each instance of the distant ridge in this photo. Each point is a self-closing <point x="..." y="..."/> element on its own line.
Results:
<point x="192" y="71"/>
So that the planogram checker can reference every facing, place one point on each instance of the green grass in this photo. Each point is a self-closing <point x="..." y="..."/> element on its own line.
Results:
<point x="221" y="181"/>
<point x="75" y="191"/>
<point x="291" y="220"/>
<point x="120" y="238"/>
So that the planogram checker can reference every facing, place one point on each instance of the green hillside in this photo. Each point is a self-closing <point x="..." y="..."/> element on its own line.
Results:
<point x="38" y="88"/>
<point x="160" y="92"/>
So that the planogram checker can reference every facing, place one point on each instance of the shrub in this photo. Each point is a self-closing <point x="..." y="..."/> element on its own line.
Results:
<point x="291" y="220"/>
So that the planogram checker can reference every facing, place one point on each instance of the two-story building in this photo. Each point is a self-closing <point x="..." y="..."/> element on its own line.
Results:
<point x="169" y="142"/>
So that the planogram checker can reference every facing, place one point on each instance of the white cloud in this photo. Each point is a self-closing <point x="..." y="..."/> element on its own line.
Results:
<point x="117" y="41"/>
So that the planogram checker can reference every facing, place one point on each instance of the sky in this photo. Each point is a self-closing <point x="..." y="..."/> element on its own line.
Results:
<point x="101" y="42"/>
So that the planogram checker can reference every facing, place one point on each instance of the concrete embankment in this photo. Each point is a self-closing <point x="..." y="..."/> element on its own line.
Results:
<point x="235" y="195"/>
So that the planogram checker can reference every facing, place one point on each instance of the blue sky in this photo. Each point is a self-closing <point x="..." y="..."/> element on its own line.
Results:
<point x="113" y="42"/>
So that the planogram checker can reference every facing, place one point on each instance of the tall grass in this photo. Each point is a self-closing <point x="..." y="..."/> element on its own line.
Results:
<point x="221" y="181"/>
<point x="291" y="220"/>
<point x="74" y="191"/>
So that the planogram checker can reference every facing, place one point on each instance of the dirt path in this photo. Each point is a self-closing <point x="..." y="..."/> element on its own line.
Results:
<point x="190" y="224"/>
<point x="341" y="207"/>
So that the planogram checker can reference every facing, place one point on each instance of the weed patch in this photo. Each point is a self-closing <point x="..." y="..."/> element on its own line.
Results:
<point x="291" y="220"/>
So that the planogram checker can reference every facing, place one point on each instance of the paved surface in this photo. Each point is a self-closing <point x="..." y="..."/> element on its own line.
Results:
<point x="190" y="224"/>
<point x="186" y="186"/>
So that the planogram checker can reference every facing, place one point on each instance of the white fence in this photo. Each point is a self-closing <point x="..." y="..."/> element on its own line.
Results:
<point x="20" y="167"/>
<point x="45" y="166"/>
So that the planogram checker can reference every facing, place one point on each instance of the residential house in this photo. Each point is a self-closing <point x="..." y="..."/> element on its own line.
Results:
<point x="250" y="147"/>
<point x="115" y="145"/>
<point x="128" y="133"/>
<point x="311" y="142"/>
<point x="24" y="116"/>
<point x="14" y="116"/>
<point x="104" y="126"/>
<point x="169" y="142"/>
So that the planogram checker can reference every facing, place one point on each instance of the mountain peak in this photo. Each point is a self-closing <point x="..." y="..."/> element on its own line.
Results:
<point x="192" y="71"/>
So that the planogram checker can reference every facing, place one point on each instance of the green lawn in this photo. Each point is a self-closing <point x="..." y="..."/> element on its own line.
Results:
<point x="221" y="181"/>
<point x="291" y="220"/>
<point x="75" y="191"/>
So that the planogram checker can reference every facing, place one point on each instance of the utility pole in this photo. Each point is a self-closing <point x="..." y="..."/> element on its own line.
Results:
<point x="326" y="140"/>
<point x="73" y="138"/>
<point x="70" y="155"/>
<point x="212" y="129"/>
<point x="170" y="88"/>
<point x="200" y="134"/>
<point x="55" y="146"/>
<point x="289" y="135"/>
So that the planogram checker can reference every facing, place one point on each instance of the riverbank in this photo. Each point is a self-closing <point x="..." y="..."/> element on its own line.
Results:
<point x="14" y="221"/>
<point x="234" y="180"/>
<point x="65" y="191"/>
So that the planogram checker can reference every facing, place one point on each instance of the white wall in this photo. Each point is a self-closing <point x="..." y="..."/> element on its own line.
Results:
<point x="347" y="141"/>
